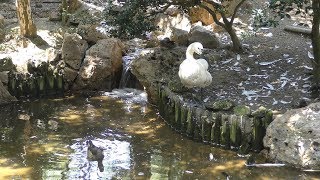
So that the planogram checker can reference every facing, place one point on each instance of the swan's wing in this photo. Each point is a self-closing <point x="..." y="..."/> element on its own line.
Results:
<point x="189" y="73"/>
<point x="204" y="63"/>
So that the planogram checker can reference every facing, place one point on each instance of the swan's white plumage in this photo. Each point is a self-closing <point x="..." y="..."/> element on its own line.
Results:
<point x="194" y="72"/>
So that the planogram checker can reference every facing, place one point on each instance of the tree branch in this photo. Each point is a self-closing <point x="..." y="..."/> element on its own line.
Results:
<point x="236" y="10"/>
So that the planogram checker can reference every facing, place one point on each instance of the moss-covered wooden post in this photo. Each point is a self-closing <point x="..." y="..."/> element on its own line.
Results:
<point x="246" y="125"/>
<point x="171" y="111"/>
<point x="190" y="122"/>
<point x="183" y="119"/>
<point x="18" y="88"/>
<point x="246" y="134"/>
<point x="206" y="126"/>
<point x="12" y="84"/>
<point x="160" y="100"/>
<point x="33" y="87"/>
<point x="197" y="124"/>
<point x="50" y="83"/>
<point x="261" y="119"/>
<point x="216" y="128"/>
<point x="235" y="131"/>
<point x="177" y="113"/>
<point x="164" y="107"/>
<point x="225" y="131"/>
<point x="59" y="83"/>
<point x="41" y="85"/>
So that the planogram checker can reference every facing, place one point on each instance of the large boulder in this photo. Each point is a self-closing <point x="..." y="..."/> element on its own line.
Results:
<point x="73" y="50"/>
<point x="294" y="137"/>
<point x="157" y="65"/>
<point x="102" y="66"/>
<point x="206" y="36"/>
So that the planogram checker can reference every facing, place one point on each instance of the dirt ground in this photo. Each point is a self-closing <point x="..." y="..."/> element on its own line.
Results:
<point x="274" y="72"/>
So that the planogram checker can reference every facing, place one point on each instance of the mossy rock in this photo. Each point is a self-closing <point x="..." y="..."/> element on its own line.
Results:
<point x="242" y="110"/>
<point x="222" y="105"/>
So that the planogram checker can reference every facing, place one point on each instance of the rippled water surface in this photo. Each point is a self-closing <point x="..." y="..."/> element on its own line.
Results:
<point x="46" y="139"/>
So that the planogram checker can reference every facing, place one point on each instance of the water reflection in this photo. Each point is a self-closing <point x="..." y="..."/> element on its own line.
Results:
<point x="46" y="139"/>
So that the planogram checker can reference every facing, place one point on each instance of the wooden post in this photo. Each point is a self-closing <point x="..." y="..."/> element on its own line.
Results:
<point x="216" y="130"/>
<point x="197" y="124"/>
<point x="206" y="125"/>
<point x="177" y="116"/>
<point x="183" y="120"/>
<point x="225" y="131"/>
<point x="27" y="27"/>
<point x="246" y="134"/>
<point x="190" y="123"/>
<point x="235" y="131"/>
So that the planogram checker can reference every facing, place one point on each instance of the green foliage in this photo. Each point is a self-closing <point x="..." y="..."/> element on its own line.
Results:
<point x="260" y="18"/>
<point x="133" y="19"/>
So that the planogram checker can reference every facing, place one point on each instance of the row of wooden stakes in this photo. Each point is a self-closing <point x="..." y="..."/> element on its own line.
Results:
<point x="49" y="84"/>
<point x="241" y="132"/>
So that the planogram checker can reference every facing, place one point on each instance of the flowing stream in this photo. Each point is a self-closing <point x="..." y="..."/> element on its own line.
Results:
<point x="46" y="139"/>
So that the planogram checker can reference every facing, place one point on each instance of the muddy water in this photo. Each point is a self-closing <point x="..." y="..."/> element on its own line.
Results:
<point x="46" y="139"/>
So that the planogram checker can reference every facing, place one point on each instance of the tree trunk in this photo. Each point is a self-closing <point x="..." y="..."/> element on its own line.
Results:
<point x="237" y="47"/>
<point x="27" y="27"/>
<point x="315" y="37"/>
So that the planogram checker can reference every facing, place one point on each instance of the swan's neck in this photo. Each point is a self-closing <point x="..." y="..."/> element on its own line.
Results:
<point x="189" y="53"/>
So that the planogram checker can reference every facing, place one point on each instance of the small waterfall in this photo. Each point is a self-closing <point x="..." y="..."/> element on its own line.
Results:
<point x="128" y="80"/>
<point x="126" y="73"/>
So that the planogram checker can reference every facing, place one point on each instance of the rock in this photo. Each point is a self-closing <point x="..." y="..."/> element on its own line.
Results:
<point x="69" y="77"/>
<point x="102" y="64"/>
<point x="206" y="37"/>
<point x="180" y="36"/>
<point x="6" y="64"/>
<point x="55" y="16"/>
<point x="156" y="65"/>
<point x="294" y="137"/>
<point x="53" y="55"/>
<point x="221" y="105"/>
<point x="165" y="23"/>
<point x="199" y="14"/>
<point x="5" y="96"/>
<point x="73" y="50"/>
<point x="92" y="33"/>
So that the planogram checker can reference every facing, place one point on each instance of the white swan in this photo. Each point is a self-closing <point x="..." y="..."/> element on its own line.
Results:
<point x="194" y="72"/>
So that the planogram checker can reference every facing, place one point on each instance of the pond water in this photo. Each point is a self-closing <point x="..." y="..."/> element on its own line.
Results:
<point x="46" y="139"/>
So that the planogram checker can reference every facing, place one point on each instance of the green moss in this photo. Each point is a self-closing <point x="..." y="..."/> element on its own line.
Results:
<point x="242" y="110"/>
<point x="223" y="105"/>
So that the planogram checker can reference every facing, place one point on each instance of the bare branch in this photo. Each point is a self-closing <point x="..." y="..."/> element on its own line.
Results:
<point x="236" y="10"/>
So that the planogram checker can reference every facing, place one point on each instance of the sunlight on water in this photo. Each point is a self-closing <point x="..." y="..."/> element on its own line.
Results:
<point x="47" y="139"/>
